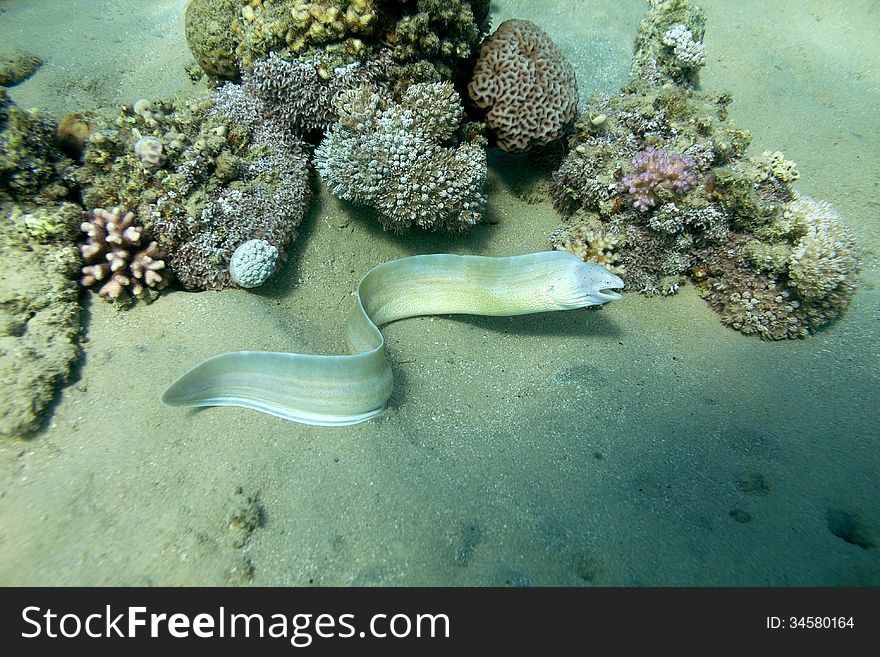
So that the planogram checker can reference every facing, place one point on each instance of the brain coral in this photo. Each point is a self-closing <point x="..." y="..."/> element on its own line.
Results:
<point x="527" y="85"/>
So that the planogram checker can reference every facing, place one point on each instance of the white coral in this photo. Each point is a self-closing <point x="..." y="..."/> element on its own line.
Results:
<point x="592" y="245"/>
<point x="150" y="150"/>
<point x="689" y="53"/>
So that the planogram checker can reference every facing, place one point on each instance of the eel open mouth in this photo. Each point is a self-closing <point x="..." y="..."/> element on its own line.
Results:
<point x="609" y="294"/>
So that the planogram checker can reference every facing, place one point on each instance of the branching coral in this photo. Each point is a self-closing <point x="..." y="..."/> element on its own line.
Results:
<point x="658" y="175"/>
<point x="689" y="53"/>
<point x="391" y="156"/>
<point x="120" y="258"/>
<point x="526" y="85"/>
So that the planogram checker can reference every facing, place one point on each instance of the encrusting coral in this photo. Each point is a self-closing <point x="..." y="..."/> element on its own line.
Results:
<point x="392" y="157"/>
<point x="120" y="258"/>
<point x="429" y="40"/>
<point x="526" y="85"/>
<point x="662" y="169"/>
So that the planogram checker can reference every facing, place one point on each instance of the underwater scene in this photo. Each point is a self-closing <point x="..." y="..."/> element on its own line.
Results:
<point x="439" y="292"/>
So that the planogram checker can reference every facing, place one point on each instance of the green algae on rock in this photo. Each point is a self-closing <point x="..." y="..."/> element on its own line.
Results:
<point x="18" y="66"/>
<point x="39" y="331"/>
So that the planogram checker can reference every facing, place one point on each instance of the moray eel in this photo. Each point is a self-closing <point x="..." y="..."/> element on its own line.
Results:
<point x="347" y="389"/>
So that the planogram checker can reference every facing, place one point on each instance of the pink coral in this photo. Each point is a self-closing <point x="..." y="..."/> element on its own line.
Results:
<point x="120" y="257"/>
<point x="656" y="171"/>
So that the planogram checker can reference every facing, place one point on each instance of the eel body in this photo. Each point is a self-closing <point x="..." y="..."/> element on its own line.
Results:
<point x="335" y="390"/>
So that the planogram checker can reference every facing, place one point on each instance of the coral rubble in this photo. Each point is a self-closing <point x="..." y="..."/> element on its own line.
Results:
<point x="661" y="169"/>
<point x="658" y="174"/>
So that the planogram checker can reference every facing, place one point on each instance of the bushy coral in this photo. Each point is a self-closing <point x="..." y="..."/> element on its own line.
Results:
<point x="824" y="262"/>
<point x="431" y="43"/>
<point x="525" y="84"/>
<point x="391" y="156"/>
<point x="120" y="257"/>
<point x="294" y="95"/>
<point x="658" y="176"/>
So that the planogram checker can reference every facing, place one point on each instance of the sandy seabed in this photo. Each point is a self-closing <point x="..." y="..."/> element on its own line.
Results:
<point x="641" y="444"/>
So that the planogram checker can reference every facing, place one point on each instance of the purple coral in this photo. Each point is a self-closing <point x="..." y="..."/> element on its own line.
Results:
<point x="657" y="169"/>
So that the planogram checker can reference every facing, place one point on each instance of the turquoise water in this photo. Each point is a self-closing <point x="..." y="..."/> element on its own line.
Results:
<point x="643" y="444"/>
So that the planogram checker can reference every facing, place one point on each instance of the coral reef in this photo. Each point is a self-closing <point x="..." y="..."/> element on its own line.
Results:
<point x="44" y="225"/>
<point x="293" y="96"/>
<point x="661" y="168"/>
<point x="17" y="67"/>
<point x="229" y="176"/>
<point x="252" y="263"/>
<point x="657" y="177"/>
<point x="120" y="258"/>
<point x="669" y="43"/>
<point x="391" y="156"/>
<point x="824" y="261"/>
<point x="150" y="151"/>
<point x="689" y="53"/>
<point x="526" y="85"/>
